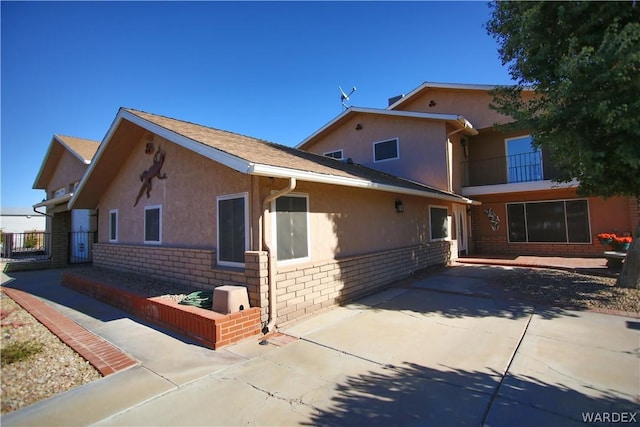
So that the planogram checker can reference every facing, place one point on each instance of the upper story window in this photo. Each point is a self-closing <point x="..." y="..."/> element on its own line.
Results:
<point x="334" y="154"/>
<point x="386" y="150"/>
<point x="153" y="224"/>
<point x="59" y="192"/>
<point x="524" y="162"/>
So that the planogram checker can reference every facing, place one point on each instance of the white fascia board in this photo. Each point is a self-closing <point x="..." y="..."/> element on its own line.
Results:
<point x="518" y="187"/>
<point x="325" y="127"/>
<point x="412" y="114"/>
<point x="280" y="172"/>
<point x="226" y="159"/>
<point x="461" y="86"/>
<point x="78" y="156"/>
<point x="44" y="162"/>
<point x="96" y="157"/>
<point x="209" y="152"/>
<point x="54" y="202"/>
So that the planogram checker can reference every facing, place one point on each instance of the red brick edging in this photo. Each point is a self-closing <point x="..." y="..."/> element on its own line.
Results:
<point x="105" y="357"/>
<point x="207" y="327"/>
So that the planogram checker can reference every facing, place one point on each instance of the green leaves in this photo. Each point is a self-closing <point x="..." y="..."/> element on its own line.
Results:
<point x="583" y="61"/>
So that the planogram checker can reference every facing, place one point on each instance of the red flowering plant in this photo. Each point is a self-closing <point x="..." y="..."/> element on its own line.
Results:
<point x="619" y="243"/>
<point x="606" y="238"/>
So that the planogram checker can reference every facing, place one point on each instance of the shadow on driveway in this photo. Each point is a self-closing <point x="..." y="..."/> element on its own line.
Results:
<point x="411" y="394"/>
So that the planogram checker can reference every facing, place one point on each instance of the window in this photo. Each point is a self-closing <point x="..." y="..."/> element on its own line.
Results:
<point x="113" y="225"/>
<point x="563" y="221"/>
<point x="524" y="163"/>
<point x="233" y="225"/>
<point x="334" y="154"/>
<point x="386" y="150"/>
<point x="59" y="192"/>
<point x="153" y="224"/>
<point x="292" y="227"/>
<point x="439" y="222"/>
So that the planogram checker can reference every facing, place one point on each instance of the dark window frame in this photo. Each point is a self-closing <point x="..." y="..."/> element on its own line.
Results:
<point x="437" y="220"/>
<point x="234" y="259"/>
<point x="147" y="239"/>
<point x="300" y="251"/>
<point x="534" y="223"/>
<point x="334" y="154"/>
<point x="113" y="225"/>
<point x="380" y="158"/>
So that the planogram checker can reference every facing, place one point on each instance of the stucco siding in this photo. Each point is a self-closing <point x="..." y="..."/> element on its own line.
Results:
<point x="605" y="216"/>
<point x="472" y="104"/>
<point x="422" y="146"/>
<point x="187" y="196"/>
<point x="68" y="171"/>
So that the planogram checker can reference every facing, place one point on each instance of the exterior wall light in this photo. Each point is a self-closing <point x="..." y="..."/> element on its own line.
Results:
<point x="399" y="206"/>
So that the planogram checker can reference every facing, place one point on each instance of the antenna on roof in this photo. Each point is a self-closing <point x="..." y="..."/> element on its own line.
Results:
<point x="344" y="97"/>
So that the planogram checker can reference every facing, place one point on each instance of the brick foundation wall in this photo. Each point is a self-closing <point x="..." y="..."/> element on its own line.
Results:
<point x="634" y="212"/>
<point x="207" y="327"/>
<point x="302" y="291"/>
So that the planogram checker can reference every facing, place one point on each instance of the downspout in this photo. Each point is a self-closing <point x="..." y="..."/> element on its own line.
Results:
<point x="42" y="213"/>
<point x="273" y="315"/>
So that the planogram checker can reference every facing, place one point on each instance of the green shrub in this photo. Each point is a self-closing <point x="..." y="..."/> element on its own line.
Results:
<point x="19" y="350"/>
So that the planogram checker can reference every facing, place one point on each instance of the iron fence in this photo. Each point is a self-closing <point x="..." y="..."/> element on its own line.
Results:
<point x="39" y="246"/>
<point x="30" y="245"/>
<point x="525" y="167"/>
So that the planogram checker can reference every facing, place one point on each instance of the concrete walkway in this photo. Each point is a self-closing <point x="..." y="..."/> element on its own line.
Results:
<point x="451" y="349"/>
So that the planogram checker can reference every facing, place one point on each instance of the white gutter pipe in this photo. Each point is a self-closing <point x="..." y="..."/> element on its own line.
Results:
<point x="273" y="314"/>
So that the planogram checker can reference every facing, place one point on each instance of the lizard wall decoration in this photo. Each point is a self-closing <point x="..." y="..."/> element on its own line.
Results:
<point x="153" y="172"/>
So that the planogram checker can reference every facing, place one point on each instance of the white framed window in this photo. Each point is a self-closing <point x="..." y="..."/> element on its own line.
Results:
<point x="337" y="154"/>
<point x="555" y="221"/>
<point x="386" y="150"/>
<point x="291" y="228"/>
<point x="439" y="223"/>
<point x="232" y="229"/>
<point x="153" y="224"/>
<point x="59" y="192"/>
<point x="113" y="225"/>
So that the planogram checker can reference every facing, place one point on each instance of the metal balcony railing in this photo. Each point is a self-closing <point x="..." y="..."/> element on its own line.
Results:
<point x="525" y="167"/>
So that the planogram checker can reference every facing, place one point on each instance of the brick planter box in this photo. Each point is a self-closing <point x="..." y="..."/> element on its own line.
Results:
<point x="207" y="327"/>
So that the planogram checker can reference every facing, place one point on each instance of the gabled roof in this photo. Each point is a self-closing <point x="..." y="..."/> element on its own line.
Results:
<point x="432" y="85"/>
<point x="82" y="149"/>
<point x="455" y="120"/>
<point x="249" y="156"/>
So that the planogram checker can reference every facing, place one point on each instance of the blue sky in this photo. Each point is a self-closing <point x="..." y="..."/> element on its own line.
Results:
<point x="266" y="69"/>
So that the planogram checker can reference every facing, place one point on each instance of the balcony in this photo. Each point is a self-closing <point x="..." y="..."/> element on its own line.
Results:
<point x="525" y="167"/>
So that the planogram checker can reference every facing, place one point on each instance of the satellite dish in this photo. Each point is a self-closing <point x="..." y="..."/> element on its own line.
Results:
<point x="344" y="97"/>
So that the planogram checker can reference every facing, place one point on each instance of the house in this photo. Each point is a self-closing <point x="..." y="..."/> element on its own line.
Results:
<point x="21" y="220"/>
<point x="302" y="231"/>
<point x="64" y="164"/>
<point x="521" y="210"/>
<point x="21" y="230"/>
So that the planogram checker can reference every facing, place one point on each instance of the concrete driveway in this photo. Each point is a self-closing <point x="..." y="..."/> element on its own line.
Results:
<point x="451" y="349"/>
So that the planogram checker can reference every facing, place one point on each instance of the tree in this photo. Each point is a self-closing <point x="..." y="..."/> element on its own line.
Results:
<point x="582" y="61"/>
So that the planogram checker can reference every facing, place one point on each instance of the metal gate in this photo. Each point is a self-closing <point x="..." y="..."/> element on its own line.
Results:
<point x="81" y="246"/>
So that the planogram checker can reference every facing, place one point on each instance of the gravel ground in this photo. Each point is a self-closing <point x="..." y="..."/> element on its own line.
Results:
<point x="55" y="369"/>
<point x="58" y="368"/>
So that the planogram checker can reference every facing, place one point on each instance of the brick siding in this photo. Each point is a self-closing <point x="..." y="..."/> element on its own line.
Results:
<point x="300" y="290"/>
<point x="206" y="327"/>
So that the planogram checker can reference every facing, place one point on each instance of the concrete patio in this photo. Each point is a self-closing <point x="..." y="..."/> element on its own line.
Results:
<point x="450" y="349"/>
